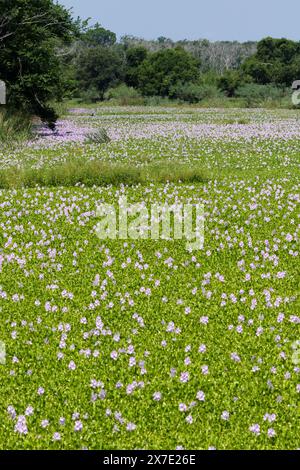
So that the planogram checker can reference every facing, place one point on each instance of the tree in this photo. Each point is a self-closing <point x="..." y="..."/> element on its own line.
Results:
<point x="134" y="58"/>
<point x="261" y="72"/>
<point x="99" y="36"/>
<point x="30" y="33"/>
<point x="99" y="68"/>
<point x="162" y="70"/>
<point x="230" y="81"/>
<point x="276" y="61"/>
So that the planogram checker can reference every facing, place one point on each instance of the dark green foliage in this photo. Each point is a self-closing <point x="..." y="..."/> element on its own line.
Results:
<point x="134" y="58"/>
<point x="276" y="61"/>
<point x="230" y="81"/>
<point x="31" y="31"/>
<point x="99" y="68"/>
<point x="99" y="36"/>
<point x="218" y="56"/>
<point x="163" y="70"/>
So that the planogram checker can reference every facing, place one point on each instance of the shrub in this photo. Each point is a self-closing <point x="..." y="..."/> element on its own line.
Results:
<point x="194" y="93"/>
<point x="91" y="95"/>
<point x="257" y="95"/>
<point x="100" y="136"/>
<point x="230" y="82"/>
<point x="159" y="101"/>
<point x="124" y="95"/>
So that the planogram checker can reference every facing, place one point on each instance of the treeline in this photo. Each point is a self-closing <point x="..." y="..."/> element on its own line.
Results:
<point x="190" y="71"/>
<point x="218" y="56"/>
<point x="46" y="55"/>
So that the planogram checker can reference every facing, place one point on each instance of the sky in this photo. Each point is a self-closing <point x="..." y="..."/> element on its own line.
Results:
<point x="241" y="20"/>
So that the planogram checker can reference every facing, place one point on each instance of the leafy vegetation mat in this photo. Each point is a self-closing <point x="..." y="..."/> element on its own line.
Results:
<point x="110" y="344"/>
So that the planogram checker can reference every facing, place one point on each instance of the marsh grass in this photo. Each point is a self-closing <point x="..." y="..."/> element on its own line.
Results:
<point x="99" y="173"/>
<point x="14" y="128"/>
<point x="99" y="136"/>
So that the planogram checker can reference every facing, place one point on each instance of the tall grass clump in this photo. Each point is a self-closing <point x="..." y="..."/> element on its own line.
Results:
<point x="123" y="95"/>
<point x="98" y="173"/>
<point x="174" y="172"/>
<point x="14" y="128"/>
<point x="99" y="136"/>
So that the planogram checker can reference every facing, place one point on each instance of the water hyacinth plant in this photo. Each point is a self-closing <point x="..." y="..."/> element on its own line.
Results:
<point x="140" y="343"/>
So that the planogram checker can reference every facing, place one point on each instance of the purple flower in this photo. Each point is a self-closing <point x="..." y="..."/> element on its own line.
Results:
<point x="271" y="433"/>
<point x="78" y="426"/>
<point x="157" y="396"/>
<point x="200" y="396"/>
<point x="21" y="425"/>
<point x="255" y="429"/>
<point x="225" y="415"/>
<point x="131" y="427"/>
<point x="184" y="377"/>
<point x="72" y="365"/>
<point x="189" y="419"/>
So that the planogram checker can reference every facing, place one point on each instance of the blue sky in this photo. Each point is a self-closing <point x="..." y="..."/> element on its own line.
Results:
<point x="193" y="19"/>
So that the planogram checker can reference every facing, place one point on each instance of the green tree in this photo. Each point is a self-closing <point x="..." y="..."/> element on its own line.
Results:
<point x="99" y="36"/>
<point x="276" y="61"/>
<point x="162" y="70"/>
<point x="99" y="68"/>
<point x="31" y="32"/>
<point x="230" y="81"/>
<point x="135" y="56"/>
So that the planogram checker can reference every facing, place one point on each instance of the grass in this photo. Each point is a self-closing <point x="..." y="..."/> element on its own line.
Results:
<point x="14" y="128"/>
<point x="99" y="173"/>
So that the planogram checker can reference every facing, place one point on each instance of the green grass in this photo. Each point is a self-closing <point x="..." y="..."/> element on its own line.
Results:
<point x="14" y="129"/>
<point x="99" y="173"/>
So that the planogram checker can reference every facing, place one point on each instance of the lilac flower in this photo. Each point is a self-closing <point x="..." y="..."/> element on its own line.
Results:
<point x="225" y="415"/>
<point x="184" y="377"/>
<point x="255" y="429"/>
<point x="200" y="395"/>
<point x="131" y="427"/>
<point x="157" y="396"/>
<point x="21" y="425"/>
<point x="29" y="411"/>
<point x="78" y="426"/>
<point x="72" y="365"/>
<point x="182" y="407"/>
<point x="271" y="433"/>
<point x="189" y="419"/>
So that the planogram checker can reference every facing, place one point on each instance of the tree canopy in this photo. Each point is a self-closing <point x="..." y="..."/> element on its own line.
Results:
<point x="162" y="70"/>
<point x="276" y="61"/>
<point x="30" y="33"/>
